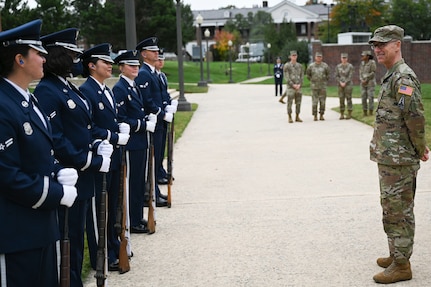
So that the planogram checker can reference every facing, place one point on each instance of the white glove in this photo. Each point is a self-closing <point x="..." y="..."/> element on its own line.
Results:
<point x="168" y="117"/>
<point x="124" y="128"/>
<point x="69" y="195"/>
<point x="150" y="126"/>
<point x="105" y="149"/>
<point x="174" y="103"/>
<point x="106" y="162"/>
<point x="123" y="138"/>
<point x="170" y="109"/>
<point x="152" y="118"/>
<point x="67" y="176"/>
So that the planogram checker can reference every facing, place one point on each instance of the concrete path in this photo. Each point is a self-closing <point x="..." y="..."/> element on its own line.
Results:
<point x="259" y="202"/>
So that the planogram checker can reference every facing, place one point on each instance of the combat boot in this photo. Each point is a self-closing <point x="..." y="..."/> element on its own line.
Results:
<point x="341" y="115"/>
<point x="385" y="261"/>
<point x="290" y="118"/>
<point x="315" y="117"/>
<point x="321" y="117"/>
<point x="394" y="273"/>
<point x="365" y="113"/>
<point x="370" y="112"/>
<point x="349" y="115"/>
<point x="298" y="119"/>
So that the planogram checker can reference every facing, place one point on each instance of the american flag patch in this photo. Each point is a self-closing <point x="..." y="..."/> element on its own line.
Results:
<point x="405" y="90"/>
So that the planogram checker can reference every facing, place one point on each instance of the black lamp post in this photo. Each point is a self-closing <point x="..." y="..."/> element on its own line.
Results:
<point x="183" y="105"/>
<point x="229" y="43"/>
<point x="207" y="35"/>
<point x="199" y="21"/>
<point x="329" y="6"/>
<point x="248" y="59"/>
<point x="269" y="58"/>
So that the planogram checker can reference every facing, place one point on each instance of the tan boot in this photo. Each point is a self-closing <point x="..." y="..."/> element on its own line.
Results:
<point x="290" y="118"/>
<point x="315" y="117"/>
<point x="349" y="115"/>
<point x="365" y="113"/>
<point x="385" y="261"/>
<point x="394" y="273"/>
<point x="321" y="117"/>
<point x="341" y="115"/>
<point x="370" y="112"/>
<point x="298" y="119"/>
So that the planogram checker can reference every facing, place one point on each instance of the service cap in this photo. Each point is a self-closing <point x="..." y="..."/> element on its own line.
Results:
<point x="149" y="44"/>
<point x="130" y="57"/>
<point x="387" y="33"/>
<point x="64" y="38"/>
<point x="26" y="34"/>
<point x="101" y="51"/>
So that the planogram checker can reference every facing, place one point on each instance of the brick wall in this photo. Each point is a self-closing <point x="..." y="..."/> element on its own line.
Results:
<point x="417" y="55"/>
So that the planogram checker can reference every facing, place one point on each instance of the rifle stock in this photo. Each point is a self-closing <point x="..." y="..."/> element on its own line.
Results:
<point x="65" y="253"/>
<point x="171" y="139"/>
<point x="101" y="245"/>
<point x="150" y="186"/>
<point x="120" y="225"/>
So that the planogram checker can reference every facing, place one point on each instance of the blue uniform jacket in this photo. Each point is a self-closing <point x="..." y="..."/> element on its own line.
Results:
<point x="104" y="116"/>
<point x="29" y="192"/>
<point x="75" y="144"/>
<point x="131" y="110"/>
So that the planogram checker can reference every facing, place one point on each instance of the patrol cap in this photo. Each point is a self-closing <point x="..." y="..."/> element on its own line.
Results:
<point x="149" y="44"/>
<point x="366" y="53"/>
<point x="318" y="54"/>
<point x="26" y="34"/>
<point x="161" y="54"/>
<point x="130" y="58"/>
<point x="101" y="51"/>
<point x="344" y="55"/>
<point x="64" y="38"/>
<point x="293" y="52"/>
<point x="387" y="33"/>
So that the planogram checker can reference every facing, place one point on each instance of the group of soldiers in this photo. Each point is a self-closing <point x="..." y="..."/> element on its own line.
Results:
<point x="319" y="74"/>
<point x="77" y="161"/>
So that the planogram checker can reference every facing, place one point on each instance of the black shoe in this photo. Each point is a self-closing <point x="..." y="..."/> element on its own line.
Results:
<point x="113" y="266"/>
<point x="144" y="222"/>
<point x="163" y="180"/>
<point x="163" y="196"/>
<point x="139" y="229"/>
<point x="161" y="203"/>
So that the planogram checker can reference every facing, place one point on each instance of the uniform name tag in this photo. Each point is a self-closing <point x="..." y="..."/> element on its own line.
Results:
<point x="405" y="90"/>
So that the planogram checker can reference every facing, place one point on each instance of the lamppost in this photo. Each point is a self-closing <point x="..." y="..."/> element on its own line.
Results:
<point x="229" y="43"/>
<point x="183" y="105"/>
<point x="199" y="21"/>
<point x="269" y="58"/>
<point x="329" y="6"/>
<point x="207" y="35"/>
<point x="248" y="59"/>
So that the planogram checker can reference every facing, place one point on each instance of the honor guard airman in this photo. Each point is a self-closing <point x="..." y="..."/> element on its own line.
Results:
<point x="278" y="77"/>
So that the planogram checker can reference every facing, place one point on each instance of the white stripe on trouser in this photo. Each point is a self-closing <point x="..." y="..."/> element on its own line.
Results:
<point x="3" y="282"/>
<point x="94" y="215"/>
<point x="57" y="248"/>
<point x="126" y="211"/>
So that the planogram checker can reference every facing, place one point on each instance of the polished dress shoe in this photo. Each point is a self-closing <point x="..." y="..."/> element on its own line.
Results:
<point x="161" y="202"/>
<point x="164" y="196"/>
<point x="163" y="180"/>
<point x="139" y="229"/>
<point x="144" y="222"/>
<point x="113" y="266"/>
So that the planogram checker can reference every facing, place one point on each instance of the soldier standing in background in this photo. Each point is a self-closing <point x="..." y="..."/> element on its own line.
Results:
<point x="318" y="73"/>
<point x="294" y="74"/>
<point x="343" y="75"/>
<point x="367" y="76"/>
<point x="398" y="145"/>
<point x="278" y="76"/>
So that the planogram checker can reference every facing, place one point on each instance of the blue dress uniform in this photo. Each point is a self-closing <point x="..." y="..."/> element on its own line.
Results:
<point x="278" y="76"/>
<point x="29" y="191"/>
<point x="131" y="110"/>
<point x="104" y="115"/>
<point x="69" y="112"/>
<point x="155" y="102"/>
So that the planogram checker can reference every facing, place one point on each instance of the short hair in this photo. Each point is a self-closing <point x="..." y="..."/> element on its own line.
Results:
<point x="7" y="58"/>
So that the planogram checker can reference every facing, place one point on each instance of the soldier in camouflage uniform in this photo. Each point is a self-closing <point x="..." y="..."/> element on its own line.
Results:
<point x="398" y="145"/>
<point x="318" y="73"/>
<point x="367" y="76"/>
<point x="343" y="75"/>
<point x="294" y="75"/>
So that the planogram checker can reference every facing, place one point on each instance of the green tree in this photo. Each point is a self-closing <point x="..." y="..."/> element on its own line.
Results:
<point x="54" y="14"/>
<point x="413" y="16"/>
<point x="14" y="13"/>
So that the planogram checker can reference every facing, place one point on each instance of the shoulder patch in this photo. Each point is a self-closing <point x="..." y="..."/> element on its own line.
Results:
<point x="405" y="90"/>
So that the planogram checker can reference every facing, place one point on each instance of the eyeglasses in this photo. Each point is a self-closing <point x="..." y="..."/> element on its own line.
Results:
<point x="381" y="45"/>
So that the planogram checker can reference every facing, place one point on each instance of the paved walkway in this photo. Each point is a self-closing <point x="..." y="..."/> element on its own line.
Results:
<point x="259" y="202"/>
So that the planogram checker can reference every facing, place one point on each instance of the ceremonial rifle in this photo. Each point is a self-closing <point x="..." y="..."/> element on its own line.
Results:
<point x="150" y="185"/>
<point x="120" y="224"/>
<point x="65" y="253"/>
<point x="101" y="268"/>
<point x="171" y="139"/>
